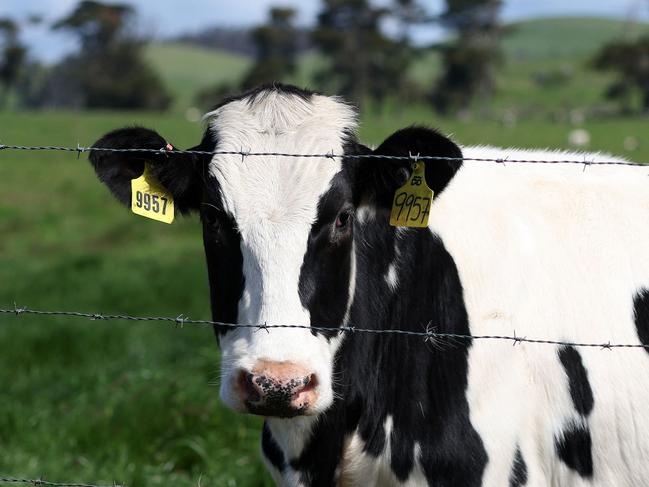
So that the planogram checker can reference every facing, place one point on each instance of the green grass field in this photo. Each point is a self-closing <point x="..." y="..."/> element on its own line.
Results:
<point x="138" y="403"/>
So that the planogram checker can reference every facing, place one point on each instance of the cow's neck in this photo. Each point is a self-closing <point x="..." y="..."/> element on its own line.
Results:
<point x="409" y="282"/>
<point x="405" y="280"/>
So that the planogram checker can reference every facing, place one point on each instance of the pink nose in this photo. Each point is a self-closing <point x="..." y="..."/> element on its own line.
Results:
<point x="281" y="389"/>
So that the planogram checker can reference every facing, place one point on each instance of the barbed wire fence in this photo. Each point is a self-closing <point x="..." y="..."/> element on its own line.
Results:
<point x="12" y="480"/>
<point x="428" y="333"/>
<point x="586" y="161"/>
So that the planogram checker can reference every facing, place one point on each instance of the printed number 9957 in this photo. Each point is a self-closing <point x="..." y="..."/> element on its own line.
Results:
<point x="151" y="202"/>
<point x="416" y="208"/>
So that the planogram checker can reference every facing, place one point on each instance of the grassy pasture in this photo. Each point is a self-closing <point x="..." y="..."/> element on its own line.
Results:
<point x="136" y="402"/>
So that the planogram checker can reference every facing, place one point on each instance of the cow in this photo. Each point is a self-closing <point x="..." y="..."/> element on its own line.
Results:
<point x="553" y="251"/>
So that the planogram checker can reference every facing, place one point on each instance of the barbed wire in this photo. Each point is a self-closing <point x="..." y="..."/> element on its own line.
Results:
<point x="504" y="160"/>
<point x="13" y="480"/>
<point x="428" y="335"/>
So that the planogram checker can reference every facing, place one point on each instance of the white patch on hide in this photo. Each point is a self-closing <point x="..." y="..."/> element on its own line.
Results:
<point x="391" y="278"/>
<point x="554" y="252"/>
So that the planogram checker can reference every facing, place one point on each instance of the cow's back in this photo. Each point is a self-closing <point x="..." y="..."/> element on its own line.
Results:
<point x="557" y="252"/>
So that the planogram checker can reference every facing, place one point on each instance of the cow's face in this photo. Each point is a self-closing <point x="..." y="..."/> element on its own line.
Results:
<point x="278" y="234"/>
<point x="288" y="224"/>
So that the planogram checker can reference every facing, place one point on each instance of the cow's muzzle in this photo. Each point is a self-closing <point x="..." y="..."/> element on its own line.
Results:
<point x="277" y="389"/>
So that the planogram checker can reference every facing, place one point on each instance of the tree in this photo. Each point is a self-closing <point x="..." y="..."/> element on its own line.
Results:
<point x="362" y="61"/>
<point x="468" y="61"/>
<point x="409" y="13"/>
<point x="109" y="71"/>
<point x="13" y="58"/>
<point x="276" y="46"/>
<point x="630" y="60"/>
<point x="99" y="26"/>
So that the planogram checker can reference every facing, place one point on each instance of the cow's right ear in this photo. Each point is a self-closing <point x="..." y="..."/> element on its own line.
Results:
<point x="176" y="171"/>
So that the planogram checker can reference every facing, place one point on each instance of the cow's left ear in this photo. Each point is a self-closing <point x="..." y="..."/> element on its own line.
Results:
<point x="378" y="179"/>
<point x="178" y="172"/>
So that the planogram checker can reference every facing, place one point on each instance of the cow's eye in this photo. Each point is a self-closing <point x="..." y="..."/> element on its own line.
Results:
<point x="344" y="219"/>
<point x="210" y="216"/>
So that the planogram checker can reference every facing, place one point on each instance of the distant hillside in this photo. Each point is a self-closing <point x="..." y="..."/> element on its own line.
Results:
<point x="537" y="53"/>
<point x="229" y="39"/>
<point x="237" y="40"/>
<point x="187" y="69"/>
<point x="566" y="37"/>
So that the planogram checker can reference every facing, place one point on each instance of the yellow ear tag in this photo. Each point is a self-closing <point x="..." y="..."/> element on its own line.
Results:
<point x="150" y="199"/>
<point x="411" y="204"/>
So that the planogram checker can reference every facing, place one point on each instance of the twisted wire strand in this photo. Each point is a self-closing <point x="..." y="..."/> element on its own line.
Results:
<point x="427" y="335"/>
<point x="79" y="150"/>
<point x="13" y="480"/>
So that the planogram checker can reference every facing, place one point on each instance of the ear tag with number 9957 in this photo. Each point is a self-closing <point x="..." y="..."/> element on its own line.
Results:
<point x="150" y="199"/>
<point x="411" y="204"/>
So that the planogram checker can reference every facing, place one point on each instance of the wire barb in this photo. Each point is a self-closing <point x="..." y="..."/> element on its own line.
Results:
<point x="244" y="154"/>
<point x="413" y="157"/>
<point x="80" y="150"/>
<point x="430" y="334"/>
<point x="180" y="321"/>
<point x="18" y="310"/>
<point x="517" y="340"/>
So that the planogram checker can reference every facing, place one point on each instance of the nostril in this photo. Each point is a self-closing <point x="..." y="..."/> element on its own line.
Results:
<point x="249" y="391"/>
<point x="306" y="395"/>
<point x="310" y="382"/>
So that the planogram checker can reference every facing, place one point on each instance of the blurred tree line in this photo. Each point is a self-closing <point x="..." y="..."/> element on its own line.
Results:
<point x="365" y="64"/>
<point x="108" y="70"/>
<point x="13" y="57"/>
<point x="367" y="51"/>
<point x="630" y="60"/>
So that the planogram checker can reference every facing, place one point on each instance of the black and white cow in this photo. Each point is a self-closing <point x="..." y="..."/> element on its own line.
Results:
<point x="541" y="251"/>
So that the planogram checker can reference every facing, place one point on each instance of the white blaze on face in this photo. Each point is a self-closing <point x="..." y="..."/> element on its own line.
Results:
<point x="274" y="200"/>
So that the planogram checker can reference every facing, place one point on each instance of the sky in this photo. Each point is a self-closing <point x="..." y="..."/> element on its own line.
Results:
<point x="167" y="18"/>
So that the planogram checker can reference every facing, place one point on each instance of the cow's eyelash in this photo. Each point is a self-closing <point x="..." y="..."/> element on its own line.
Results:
<point x="211" y="217"/>
<point x="211" y="205"/>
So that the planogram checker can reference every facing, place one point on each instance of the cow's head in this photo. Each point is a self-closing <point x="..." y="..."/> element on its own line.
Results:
<point x="279" y="231"/>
